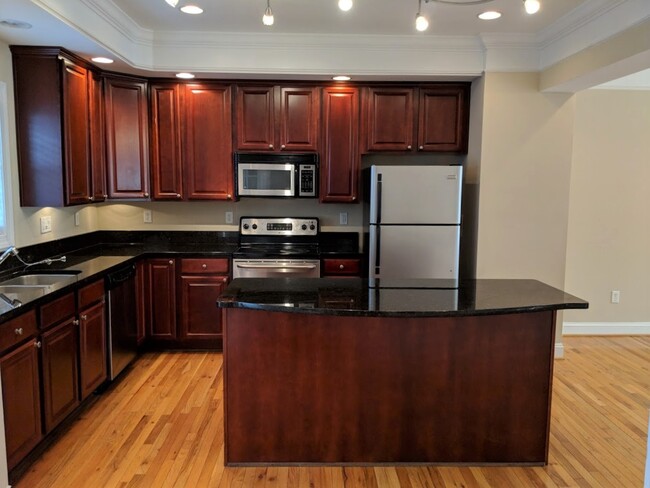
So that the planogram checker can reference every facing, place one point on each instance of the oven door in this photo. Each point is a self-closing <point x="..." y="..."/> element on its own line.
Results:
<point x="275" y="268"/>
<point x="266" y="180"/>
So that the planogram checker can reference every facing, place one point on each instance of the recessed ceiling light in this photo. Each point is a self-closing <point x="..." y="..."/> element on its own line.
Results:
<point x="191" y="9"/>
<point x="15" y="24"/>
<point x="185" y="76"/>
<point x="101" y="59"/>
<point x="345" y="5"/>
<point x="489" y="15"/>
<point x="341" y="78"/>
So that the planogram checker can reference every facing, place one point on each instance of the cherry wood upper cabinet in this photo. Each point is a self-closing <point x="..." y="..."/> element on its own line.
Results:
<point x="52" y="124"/>
<point x="99" y="191"/>
<point x="443" y="118"/>
<point x="255" y="118"/>
<point x="437" y="113"/>
<point x="340" y="148"/>
<point x="389" y="118"/>
<point x="127" y="137"/>
<point x="277" y="118"/>
<point x="207" y="140"/>
<point x="166" y="163"/>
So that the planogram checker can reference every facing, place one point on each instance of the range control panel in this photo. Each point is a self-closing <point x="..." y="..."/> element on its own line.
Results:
<point x="278" y="226"/>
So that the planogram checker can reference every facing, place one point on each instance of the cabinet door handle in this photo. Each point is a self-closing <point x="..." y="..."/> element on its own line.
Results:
<point x="204" y="266"/>
<point x="178" y="195"/>
<point x="283" y="146"/>
<point x="91" y="199"/>
<point x="408" y="147"/>
<point x="421" y="148"/>
<point x="229" y="196"/>
<point x="146" y="195"/>
<point x="171" y="261"/>
<point x="341" y="266"/>
<point x="37" y="344"/>
<point x="84" y="317"/>
<point x="105" y="196"/>
<point x="270" y="146"/>
<point x="19" y="331"/>
<point x="75" y="322"/>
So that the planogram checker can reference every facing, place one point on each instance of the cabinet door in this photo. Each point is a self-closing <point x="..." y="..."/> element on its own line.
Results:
<point x="141" y="299"/>
<point x="340" y="163"/>
<point x="255" y="118"/>
<point x="22" y="401"/>
<point x="166" y="141"/>
<point x="162" y="298"/>
<point x="76" y="130"/>
<point x="97" y="146"/>
<point x="127" y="147"/>
<point x="200" y="316"/>
<point x="92" y="348"/>
<point x="60" y="374"/>
<point x="389" y="119"/>
<point x="208" y="166"/>
<point x="443" y="118"/>
<point x="299" y="116"/>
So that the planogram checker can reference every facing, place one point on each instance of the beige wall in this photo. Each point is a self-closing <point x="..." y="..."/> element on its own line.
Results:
<point x="27" y="220"/>
<point x="524" y="180"/>
<point x="608" y="244"/>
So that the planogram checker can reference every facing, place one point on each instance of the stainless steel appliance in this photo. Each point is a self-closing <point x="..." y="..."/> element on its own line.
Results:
<point x="122" y="320"/>
<point x="414" y="218"/>
<point x="274" y="247"/>
<point x="276" y="175"/>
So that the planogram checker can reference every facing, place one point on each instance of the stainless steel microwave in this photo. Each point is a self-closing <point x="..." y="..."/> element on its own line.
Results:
<point x="276" y="175"/>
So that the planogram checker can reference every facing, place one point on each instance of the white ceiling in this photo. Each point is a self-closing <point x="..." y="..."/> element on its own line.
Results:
<point x="313" y="38"/>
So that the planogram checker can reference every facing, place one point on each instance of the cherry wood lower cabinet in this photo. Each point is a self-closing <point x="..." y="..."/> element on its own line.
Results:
<point x="21" y="400"/>
<point x="161" y="299"/>
<point x="60" y="373"/>
<point x="92" y="348"/>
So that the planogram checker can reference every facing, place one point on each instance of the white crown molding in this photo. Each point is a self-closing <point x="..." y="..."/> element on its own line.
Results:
<point x="511" y="52"/>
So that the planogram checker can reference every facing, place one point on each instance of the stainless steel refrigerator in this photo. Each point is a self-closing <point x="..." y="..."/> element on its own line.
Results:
<point x="414" y="225"/>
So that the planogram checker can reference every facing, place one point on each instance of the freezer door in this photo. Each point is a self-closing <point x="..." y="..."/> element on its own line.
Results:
<point x="414" y="252"/>
<point x="415" y="194"/>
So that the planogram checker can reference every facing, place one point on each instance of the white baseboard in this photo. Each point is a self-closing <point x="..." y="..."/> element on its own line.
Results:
<point x="606" y="328"/>
<point x="559" y="350"/>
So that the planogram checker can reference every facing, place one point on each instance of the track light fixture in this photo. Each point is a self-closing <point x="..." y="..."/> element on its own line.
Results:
<point x="421" y="22"/>
<point x="531" y="6"/>
<point x="345" y="5"/>
<point x="268" y="19"/>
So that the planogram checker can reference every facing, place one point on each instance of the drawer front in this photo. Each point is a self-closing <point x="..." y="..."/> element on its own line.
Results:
<point x="205" y="266"/>
<point x="342" y="267"/>
<point x="58" y="310"/>
<point x="91" y="294"/>
<point x="17" y="330"/>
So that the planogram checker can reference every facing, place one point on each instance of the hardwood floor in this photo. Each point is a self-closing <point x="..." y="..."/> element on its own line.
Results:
<point x="163" y="427"/>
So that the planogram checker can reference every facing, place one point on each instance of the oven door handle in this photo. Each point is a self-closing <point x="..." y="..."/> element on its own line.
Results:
<point x="279" y="266"/>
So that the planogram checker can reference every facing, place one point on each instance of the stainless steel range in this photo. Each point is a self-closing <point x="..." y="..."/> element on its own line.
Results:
<point x="271" y="247"/>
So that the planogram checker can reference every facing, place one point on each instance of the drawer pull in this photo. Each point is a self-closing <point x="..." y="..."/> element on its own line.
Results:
<point x="37" y="344"/>
<point x="75" y="322"/>
<point x="84" y="317"/>
<point x="19" y="331"/>
<point x="341" y="266"/>
<point x="204" y="266"/>
<point x="171" y="261"/>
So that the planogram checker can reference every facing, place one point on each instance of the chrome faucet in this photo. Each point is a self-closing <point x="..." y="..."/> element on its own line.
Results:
<point x="9" y="251"/>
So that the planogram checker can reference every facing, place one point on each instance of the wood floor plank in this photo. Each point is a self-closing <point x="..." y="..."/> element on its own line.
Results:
<point x="162" y="425"/>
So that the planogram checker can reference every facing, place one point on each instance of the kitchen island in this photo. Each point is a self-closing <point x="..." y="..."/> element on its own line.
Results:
<point x="330" y="371"/>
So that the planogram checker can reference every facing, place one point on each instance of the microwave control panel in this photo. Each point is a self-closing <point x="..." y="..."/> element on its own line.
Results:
<point x="307" y="180"/>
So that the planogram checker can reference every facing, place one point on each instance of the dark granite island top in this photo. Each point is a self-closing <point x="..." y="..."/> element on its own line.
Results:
<point x="329" y="371"/>
<point x="352" y="296"/>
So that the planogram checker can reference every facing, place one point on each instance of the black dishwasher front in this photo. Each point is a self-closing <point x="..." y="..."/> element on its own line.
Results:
<point x="122" y="320"/>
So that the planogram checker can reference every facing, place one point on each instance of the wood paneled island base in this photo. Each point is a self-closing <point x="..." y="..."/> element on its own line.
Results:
<point x="333" y="389"/>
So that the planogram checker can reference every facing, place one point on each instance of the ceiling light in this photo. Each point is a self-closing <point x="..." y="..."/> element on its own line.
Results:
<point x="191" y="9"/>
<point x="345" y="5"/>
<point x="489" y="15"/>
<point x="421" y="22"/>
<point x="173" y="3"/>
<point x="531" y="6"/>
<point x="341" y="78"/>
<point x="268" y="14"/>
<point x="185" y="76"/>
<point x="101" y="59"/>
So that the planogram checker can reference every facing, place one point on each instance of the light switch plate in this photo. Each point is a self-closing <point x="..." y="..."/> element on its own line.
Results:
<point x="343" y="218"/>
<point x="228" y="217"/>
<point x="147" y="216"/>
<point x="77" y="219"/>
<point x="46" y="224"/>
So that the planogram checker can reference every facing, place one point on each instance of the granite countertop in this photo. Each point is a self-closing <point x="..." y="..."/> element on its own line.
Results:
<point x="353" y="296"/>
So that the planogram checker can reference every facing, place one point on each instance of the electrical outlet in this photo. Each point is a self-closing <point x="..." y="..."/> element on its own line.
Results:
<point x="147" y="217"/>
<point x="228" y="217"/>
<point x="616" y="296"/>
<point x="46" y="224"/>
<point x="343" y="218"/>
<point x="77" y="219"/>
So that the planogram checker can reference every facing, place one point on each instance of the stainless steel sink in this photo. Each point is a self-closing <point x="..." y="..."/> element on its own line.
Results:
<point x="40" y="280"/>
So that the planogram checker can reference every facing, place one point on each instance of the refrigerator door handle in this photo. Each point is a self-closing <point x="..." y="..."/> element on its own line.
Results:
<point x="377" y="251"/>
<point x="378" y="200"/>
